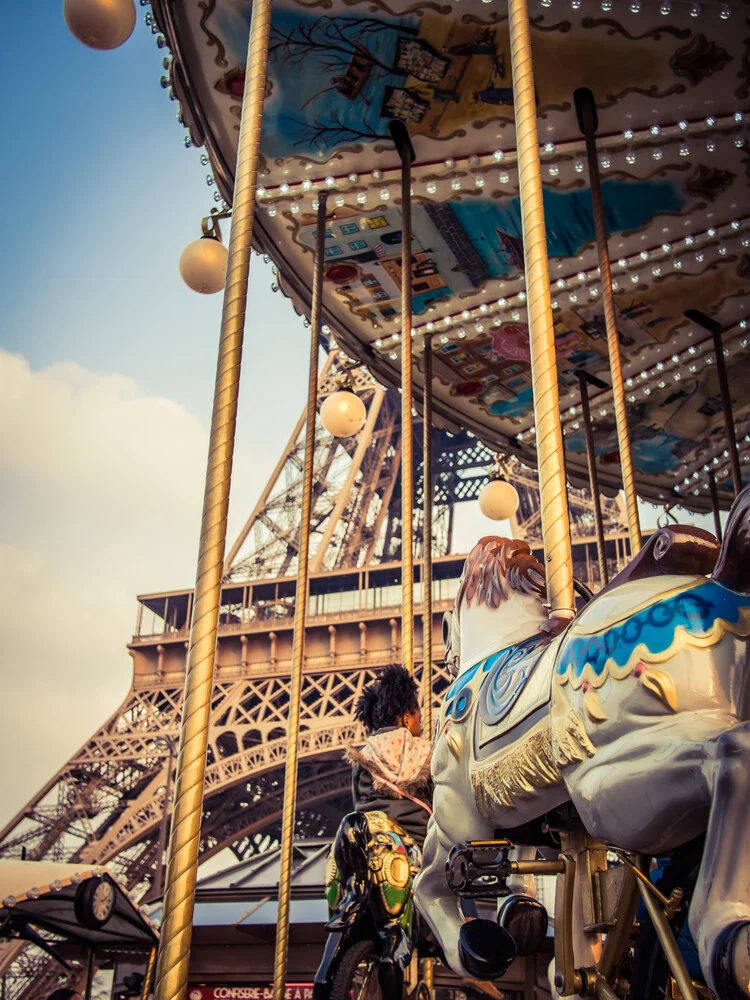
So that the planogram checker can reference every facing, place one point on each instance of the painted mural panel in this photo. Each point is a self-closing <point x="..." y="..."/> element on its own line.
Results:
<point x="673" y="100"/>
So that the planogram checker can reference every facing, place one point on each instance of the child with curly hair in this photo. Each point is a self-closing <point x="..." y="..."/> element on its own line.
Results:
<point x="391" y="772"/>
<point x="392" y="790"/>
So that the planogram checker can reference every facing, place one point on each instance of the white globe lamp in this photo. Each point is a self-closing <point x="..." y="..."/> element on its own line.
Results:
<point x="498" y="500"/>
<point x="100" y="24"/>
<point x="203" y="265"/>
<point x="343" y="413"/>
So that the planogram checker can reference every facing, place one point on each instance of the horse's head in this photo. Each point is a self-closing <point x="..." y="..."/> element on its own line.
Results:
<point x="499" y="601"/>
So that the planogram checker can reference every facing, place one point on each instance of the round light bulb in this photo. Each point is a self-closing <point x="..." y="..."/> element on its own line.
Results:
<point x="203" y="265"/>
<point x="100" y="24"/>
<point x="498" y="500"/>
<point x="343" y="413"/>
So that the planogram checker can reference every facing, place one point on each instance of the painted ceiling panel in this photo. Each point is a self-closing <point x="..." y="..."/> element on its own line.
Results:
<point x="672" y="86"/>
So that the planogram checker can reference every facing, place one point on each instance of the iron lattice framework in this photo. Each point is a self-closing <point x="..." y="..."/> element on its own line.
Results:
<point x="106" y="804"/>
<point x="357" y="490"/>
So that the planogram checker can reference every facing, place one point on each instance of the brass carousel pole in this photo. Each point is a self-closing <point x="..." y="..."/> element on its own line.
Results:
<point x="583" y="379"/>
<point x="427" y="496"/>
<point x="549" y="440"/>
<point x="406" y="153"/>
<point x="300" y="616"/>
<point x="179" y="894"/>
<point x="426" y="966"/>
<point x="148" y="975"/>
<point x="588" y="122"/>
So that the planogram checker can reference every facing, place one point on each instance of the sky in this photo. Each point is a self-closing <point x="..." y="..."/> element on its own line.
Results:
<point x="107" y="363"/>
<point x="106" y="380"/>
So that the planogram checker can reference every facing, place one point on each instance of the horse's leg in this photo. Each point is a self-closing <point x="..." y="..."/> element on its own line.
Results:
<point x="487" y="944"/>
<point x="439" y="908"/>
<point x="719" y="915"/>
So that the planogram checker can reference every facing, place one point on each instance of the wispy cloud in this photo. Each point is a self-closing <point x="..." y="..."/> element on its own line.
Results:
<point x="101" y="500"/>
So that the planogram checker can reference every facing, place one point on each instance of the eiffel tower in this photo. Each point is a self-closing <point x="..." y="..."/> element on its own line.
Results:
<point x="105" y="805"/>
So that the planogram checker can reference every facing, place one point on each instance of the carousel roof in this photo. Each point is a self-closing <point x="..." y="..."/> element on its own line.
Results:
<point x="672" y="85"/>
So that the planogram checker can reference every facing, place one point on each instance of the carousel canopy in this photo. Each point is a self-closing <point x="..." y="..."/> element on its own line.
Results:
<point x="672" y="85"/>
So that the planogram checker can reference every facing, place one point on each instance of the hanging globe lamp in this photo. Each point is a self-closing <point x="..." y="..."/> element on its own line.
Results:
<point x="499" y="499"/>
<point x="100" y="24"/>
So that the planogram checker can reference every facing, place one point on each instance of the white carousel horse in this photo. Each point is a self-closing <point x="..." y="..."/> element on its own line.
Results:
<point x="637" y="713"/>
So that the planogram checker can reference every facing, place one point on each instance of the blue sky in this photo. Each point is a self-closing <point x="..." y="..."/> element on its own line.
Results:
<point x="106" y="196"/>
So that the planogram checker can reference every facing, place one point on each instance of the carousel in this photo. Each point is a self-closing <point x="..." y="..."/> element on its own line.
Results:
<point x="532" y="217"/>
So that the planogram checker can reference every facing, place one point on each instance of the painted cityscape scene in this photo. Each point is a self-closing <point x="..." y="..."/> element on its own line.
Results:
<point x="337" y="79"/>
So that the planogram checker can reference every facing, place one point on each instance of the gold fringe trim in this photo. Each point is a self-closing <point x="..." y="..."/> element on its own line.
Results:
<point x="534" y="764"/>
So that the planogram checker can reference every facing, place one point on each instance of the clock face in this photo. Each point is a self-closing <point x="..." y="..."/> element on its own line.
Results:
<point x="103" y="901"/>
<point x="95" y="902"/>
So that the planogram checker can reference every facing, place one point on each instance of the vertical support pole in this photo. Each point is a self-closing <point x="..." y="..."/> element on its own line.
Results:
<point x="90" y="970"/>
<point x="588" y="122"/>
<point x="427" y="495"/>
<point x="148" y="975"/>
<point x="406" y="153"/>
<point x="593" y="478"/>
<point x="552" y="485"/>
<point x="179" y="897"/>
<point x="715" y="504"/>
<point x="427" y="975"/>
<point x="300" y="615"/>
<point x="164" y="825"/>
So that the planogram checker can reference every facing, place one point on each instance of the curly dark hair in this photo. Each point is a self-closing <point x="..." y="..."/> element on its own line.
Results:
<point x="382" y="702"/>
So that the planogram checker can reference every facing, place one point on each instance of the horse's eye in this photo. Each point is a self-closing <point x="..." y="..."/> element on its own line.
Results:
<point x="462" y="704"/>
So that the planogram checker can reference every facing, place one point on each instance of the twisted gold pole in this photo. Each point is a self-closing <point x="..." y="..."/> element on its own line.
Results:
<point x="427" y="974"/>
<point x="427" y="499"/>
<point x="549" y="441"/>
<point x="407" y="441"/>
<point x="300" y="617"/>
<point x="179" y="897"/>
<point x="148" y="974"/>
<point x="587" y="120"/>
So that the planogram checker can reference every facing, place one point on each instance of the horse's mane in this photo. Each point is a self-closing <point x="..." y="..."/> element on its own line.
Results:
<point x="496" y="564"/>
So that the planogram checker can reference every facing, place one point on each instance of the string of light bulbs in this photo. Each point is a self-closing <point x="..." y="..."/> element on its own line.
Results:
<point x="673" y="253"/>
<point x="632" y="141"/>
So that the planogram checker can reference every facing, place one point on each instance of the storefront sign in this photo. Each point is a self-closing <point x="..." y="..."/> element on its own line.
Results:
<point x="293" y="991"/>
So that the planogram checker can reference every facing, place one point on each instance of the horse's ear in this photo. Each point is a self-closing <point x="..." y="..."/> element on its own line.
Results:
<point x="447" y="628"/>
